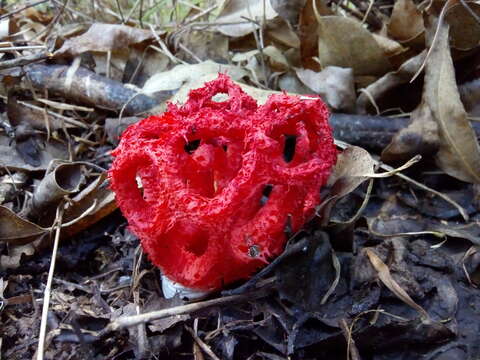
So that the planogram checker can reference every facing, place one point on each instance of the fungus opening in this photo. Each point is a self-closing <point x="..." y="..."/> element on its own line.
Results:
<point x="289" y="147"/>
<point x="220" y="97"/>
<point x="267" y="190"/>
<point x="191" y="146"/>
<point x="198" y="244"/>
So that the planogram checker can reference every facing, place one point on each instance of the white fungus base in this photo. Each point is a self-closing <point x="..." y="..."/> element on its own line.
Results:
<point x="171" y="288"/>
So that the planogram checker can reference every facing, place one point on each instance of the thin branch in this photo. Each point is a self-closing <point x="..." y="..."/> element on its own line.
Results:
<point x="48" y="287"/>
<point x="128" y="321"/>
<point x="24" y="60"/>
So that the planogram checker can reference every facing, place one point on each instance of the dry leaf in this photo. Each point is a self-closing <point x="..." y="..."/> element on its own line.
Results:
<point x="386" y="278"/>
<point x="334" y="84"/>
<point x="419" y="137"/>
<point x="17" y="231"/>
<point x="288" y="9"/>
<point x="470" y="95"/>
<point x="64" y="179"/>
<point x="13" y="160"/>
<point x="353" y="166"/>
<point x="346" y="43"/>
<point x="289" y="82"/>
<point x="15" y="253"/>
<point x="236" y="14"/>
<point x="390" y="47"/>
<point x="279" y="31"/>
<point x="4" y="28"/>
<point x="308" y="33"/>
<point x="464" y="28"/>
<point x="88" y="207"/>
<point x="182" y="74"/>
<point x="406" y="22"/>
<point x="389" y="81"/>
<point x="459" y="153"/>
<point x="276" y="59"/>
<point x="205" y="45"/>
<point x="104" y="38"/>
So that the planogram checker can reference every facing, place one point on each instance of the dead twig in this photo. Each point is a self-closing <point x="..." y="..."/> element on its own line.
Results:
<point x="202" y="344"/>
<point x="22" y="9"/>
<point x="127" y="321"/>
<point x="48" y="287"/>
<point x="24" y="60"/>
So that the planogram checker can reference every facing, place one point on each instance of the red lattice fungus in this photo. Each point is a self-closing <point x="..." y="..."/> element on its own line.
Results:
<point x="220" y="180"/>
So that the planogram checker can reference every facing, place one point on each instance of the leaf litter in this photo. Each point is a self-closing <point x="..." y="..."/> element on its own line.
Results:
<point x="388" y="267"/>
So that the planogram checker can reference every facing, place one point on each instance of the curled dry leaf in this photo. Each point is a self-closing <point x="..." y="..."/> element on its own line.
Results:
<point x="103" y="38"/>
<point x="334" y="84"/>
<point x="234" y="18"/>
<point x="89" y="206"/>
<point x="387" y="279"/>
<point x="346" y="43"/>
<point x="459" y="152"/>
<point x="353" y="167"/>
<point x="64" y="179"/>
<point x="379" y="88"/>
<point x="406" y="22"/>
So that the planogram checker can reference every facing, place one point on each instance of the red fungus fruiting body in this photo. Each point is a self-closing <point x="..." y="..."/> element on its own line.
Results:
<point x="216" y="188"/>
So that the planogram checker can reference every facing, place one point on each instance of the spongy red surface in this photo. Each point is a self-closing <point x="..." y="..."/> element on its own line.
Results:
<point x="199" y="213"/>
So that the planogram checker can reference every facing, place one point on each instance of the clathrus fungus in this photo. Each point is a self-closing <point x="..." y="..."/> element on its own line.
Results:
<point x="209" y="186"/>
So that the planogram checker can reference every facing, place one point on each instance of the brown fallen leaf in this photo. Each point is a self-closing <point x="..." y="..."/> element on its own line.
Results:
<point x="201" y="45"/>
<point x="459" y="152"/>
<point x="279" y="31"/>
<point x="308" y="32"/>
<point x="406" y="22"/>
<point x="13" y="160"/>
<point x="288" y="9"/>
<point x="390" y="47"/>
<point x="379" y="88"/>
<point x="419" y="137"/>
<point x="15" y="254"/>
<point x="346" y="43"/>
<point x="64" y="179"/>
<point x="89" y="206"/>
<point x="334" y="84"/>
<point x="386" y="278"/>
<point x="103" y="38"/>
<point x="16" y="230"/>
<point x="353" y="167"/>
<point x="234" y="18"/>
<point x="464" y="28"/>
